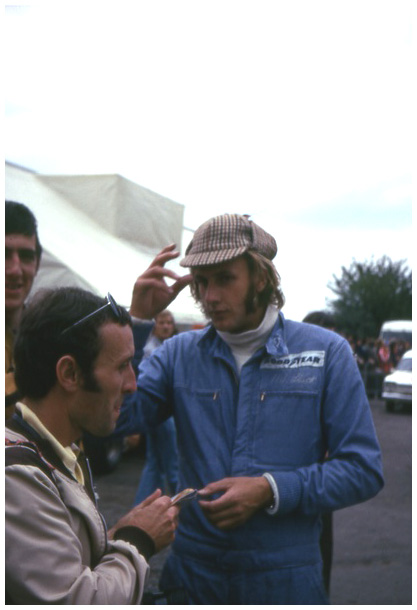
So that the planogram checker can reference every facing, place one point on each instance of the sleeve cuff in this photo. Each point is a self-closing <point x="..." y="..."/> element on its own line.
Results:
<point x="273" y="509"/>
<point x="138" y="321"/>
<point x="139" y="538"/>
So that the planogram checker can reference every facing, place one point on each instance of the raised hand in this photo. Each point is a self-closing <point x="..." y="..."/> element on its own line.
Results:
<point x="151" y="293"/>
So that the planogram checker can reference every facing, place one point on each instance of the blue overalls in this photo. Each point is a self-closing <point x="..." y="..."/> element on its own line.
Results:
<point x="298" y="400"/>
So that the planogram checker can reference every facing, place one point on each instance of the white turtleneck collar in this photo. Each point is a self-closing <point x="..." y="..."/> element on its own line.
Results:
<point x="244" y="345"/>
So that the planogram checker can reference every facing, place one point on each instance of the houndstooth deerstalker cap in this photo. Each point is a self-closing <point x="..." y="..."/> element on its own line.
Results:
<point x="225" y="237"/>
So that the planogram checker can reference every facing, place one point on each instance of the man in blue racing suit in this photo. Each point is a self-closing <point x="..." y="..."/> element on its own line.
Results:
<point x="274" y="428"/>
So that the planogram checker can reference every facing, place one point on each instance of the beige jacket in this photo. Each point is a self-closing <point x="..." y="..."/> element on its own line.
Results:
<point x="57" y="551"/>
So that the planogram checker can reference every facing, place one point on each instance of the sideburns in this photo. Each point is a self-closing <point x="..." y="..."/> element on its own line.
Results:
<point x="252" y="299"/>
<point x="90" y="383"/>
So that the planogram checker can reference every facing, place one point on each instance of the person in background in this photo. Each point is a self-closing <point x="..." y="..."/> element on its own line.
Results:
<point x="371" y="363"/>
<point x="321" y="318"/>
<point x="361" y="355"/>
<point x="161" y="466"/>
<point x="73" y="357"/>
<point x="259" y="402"/>
<point x="384" y="358"/>
<point x="23" y="253"/>
<point x="395" y="354"/>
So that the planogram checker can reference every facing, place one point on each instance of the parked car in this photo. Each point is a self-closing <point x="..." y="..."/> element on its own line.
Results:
<point x="397" y="387"/>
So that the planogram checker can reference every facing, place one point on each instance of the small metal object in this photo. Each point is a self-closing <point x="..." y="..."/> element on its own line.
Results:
<point x="184" y="496"/>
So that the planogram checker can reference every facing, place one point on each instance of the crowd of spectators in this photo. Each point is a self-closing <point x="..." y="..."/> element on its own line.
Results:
<point x="376" y="359"/>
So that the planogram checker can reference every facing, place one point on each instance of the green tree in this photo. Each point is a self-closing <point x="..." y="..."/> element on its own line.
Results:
<point x="368" y="294"/>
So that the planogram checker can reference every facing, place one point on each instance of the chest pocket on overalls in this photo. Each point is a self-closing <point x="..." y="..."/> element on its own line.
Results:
<point x="199" y="417"/>
<point x="286" y="427"/>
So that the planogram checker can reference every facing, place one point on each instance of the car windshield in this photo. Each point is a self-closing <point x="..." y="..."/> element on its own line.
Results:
<point x="404" y="365"/>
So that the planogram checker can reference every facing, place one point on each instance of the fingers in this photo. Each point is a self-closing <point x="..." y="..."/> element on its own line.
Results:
<point x="161" y="503"/>
<point x="216" y="487"/>
<point x="154" y="277"/>
<point x="217" y="506"/>
<point x="145" y="284"/>
<point x="159" y="272"/>
<point x="222" y="514"/>
<point x="157" y="269"/>
<point x="174" y="512"/>
<point x="218" y="509"/>
<point x="151" y="291"/>
<point x="163" y="522"/>
<point x="181" y="283"/>
<point x="166" y="254"/>
<point x="241" y="498"/>
<point x="156" y="516"/>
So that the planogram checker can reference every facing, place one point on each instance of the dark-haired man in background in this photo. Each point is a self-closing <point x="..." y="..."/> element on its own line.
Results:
<point x="22" y="257"/>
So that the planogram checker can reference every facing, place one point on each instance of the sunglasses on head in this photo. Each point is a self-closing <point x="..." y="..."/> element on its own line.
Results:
<point x="110" y="303"/>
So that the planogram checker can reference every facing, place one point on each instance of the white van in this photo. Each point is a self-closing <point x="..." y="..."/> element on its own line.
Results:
<point x="396" y="329"/>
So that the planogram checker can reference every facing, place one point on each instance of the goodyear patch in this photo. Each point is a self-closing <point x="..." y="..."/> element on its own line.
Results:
<point x="294" y="361"/>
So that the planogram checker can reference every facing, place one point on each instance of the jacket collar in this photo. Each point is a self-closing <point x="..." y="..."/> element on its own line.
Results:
<point x="275" y="346"/>
<point x="19" y="425"/>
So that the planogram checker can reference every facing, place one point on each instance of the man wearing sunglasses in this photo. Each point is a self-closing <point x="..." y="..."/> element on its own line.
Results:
<point x="73" y="357"/>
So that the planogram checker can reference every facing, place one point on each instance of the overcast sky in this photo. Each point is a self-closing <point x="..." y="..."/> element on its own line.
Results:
<point x="296" y="112"/>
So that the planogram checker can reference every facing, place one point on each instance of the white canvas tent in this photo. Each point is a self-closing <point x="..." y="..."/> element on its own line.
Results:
<point x="100" y="232"/>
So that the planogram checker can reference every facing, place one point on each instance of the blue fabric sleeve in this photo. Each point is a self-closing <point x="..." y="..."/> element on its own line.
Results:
<point x="141" y="332"/>
<point x="352" y="472"/>
<point x="127" y="423"/>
